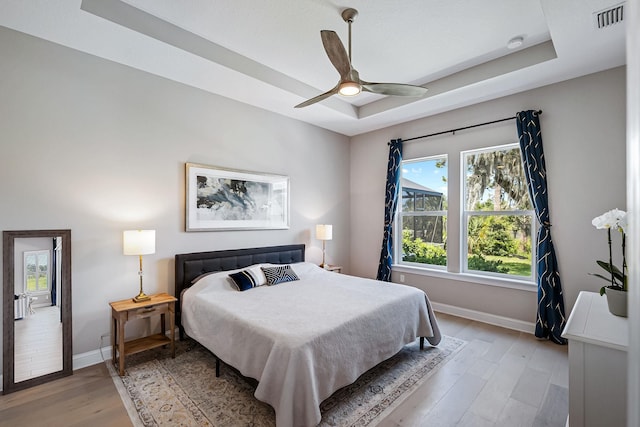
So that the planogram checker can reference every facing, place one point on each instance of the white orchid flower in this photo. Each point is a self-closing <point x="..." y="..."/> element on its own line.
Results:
<point x="623" y="224"/>
<point x="611" y="219"/>
<point x="617" y="220"/>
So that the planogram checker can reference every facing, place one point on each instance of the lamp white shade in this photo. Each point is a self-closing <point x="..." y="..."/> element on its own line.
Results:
<point x="324" y="231"/>
<point x="139" y="242"/>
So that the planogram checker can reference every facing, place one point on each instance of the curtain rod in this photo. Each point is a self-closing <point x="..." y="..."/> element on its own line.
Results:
<point x="463" y="128"/>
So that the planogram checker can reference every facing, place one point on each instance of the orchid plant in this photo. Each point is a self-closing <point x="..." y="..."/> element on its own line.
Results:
<point x="614" y="219"/>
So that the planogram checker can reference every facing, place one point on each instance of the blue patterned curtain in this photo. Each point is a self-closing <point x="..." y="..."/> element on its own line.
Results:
<point x="390" y="203"/>
<point x="550" y="319"/>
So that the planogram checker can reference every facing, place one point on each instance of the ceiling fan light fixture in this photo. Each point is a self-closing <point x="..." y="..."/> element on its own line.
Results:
<point x="349" y="89"/>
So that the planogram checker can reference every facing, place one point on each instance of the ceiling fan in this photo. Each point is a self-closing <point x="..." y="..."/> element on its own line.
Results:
<point x="350" y="83"/>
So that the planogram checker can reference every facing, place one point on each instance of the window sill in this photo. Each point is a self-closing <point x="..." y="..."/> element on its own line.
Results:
<point x="522" y="285"/>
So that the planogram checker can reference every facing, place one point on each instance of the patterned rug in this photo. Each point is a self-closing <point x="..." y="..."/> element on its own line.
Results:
<point x="160" y="391"/>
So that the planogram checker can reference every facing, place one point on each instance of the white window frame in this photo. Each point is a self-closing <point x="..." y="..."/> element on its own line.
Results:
<point x="465" y="215"/>
<point x="456" y="260"/>
<point x="47" y="273"/>
<point x="399" y="217"/>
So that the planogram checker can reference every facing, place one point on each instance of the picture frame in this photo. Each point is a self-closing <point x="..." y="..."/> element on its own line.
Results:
<point x="220" y="199"/>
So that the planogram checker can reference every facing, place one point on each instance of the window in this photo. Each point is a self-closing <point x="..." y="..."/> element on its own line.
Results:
<point x="491" y="219"/>
<point x="497" y="216"/>
<point x="36" y="271"/>
<point x="423" y="211"/>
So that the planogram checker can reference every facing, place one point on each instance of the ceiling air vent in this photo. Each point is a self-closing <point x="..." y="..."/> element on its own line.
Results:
<point x="610" y="16"/>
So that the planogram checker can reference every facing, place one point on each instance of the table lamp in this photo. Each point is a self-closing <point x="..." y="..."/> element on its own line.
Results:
<point x="139" y="242"/>
<point x="324" y="232"/>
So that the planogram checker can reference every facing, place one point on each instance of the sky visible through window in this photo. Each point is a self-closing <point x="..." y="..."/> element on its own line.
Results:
<point x="425" y="172"/>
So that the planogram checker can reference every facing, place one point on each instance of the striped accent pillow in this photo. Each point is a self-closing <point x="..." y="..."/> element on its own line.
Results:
<point x="247" y="279"/>
<point x="280" y="274"/>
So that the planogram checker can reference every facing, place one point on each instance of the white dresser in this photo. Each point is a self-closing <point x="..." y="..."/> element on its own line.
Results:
<point x="598" y="343"/>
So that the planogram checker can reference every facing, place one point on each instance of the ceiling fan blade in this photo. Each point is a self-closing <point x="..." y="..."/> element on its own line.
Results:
<point x="397" y="89"/>
<point x="336" y="52"/>
<point x="318" y="98"/>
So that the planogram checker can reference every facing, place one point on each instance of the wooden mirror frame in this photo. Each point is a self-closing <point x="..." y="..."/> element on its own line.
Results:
<point x="8" y="344"/>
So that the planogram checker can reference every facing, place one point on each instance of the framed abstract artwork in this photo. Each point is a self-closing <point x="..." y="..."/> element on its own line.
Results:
<point x="225" y="199"/>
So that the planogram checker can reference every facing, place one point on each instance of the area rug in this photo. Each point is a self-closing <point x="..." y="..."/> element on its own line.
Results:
<point x="160" y="391"/>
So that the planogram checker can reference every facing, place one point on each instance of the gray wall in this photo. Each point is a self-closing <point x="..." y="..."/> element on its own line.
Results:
<point x="99" y="148"/>
<point x="583" y="128"/>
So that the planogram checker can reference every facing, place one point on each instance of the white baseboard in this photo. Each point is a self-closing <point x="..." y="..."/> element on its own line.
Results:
<point x="100" y="355"/>
<point x="91" y="358"/>
<point x="492" y="319"/>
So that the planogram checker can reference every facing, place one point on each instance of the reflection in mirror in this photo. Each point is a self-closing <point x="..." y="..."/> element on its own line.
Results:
<point x="36" y="307"/>
<point x="38" y="326"/>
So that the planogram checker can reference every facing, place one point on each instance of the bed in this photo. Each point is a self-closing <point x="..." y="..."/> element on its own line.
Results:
<point x="301" y="339"/>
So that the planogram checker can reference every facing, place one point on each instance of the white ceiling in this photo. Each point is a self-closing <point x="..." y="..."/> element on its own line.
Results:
<point x="269" y="54"/>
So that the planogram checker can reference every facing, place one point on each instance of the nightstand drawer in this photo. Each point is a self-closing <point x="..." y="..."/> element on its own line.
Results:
<point x="144" y="312"/>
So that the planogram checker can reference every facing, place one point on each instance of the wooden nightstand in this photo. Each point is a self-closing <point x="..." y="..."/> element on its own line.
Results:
<point x="122" y="311"/>
<point x="334" y="268"/>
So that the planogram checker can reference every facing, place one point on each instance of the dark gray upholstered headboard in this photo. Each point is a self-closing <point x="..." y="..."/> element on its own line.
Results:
<point x="190" y="266"/>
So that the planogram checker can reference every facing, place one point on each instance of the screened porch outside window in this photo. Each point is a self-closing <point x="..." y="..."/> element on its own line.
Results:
<point x="423" y="211"/>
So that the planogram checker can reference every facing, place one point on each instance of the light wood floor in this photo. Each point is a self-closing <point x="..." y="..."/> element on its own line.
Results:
<point x="87" y="398"/>
<point x="500" y="378"/>
<point x="38" y="343"/>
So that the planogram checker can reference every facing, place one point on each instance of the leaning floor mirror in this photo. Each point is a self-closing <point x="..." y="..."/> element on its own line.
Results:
<point x="36" y="307"/>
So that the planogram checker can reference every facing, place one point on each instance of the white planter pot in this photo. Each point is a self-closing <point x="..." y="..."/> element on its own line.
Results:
<point x="617" y="301"/>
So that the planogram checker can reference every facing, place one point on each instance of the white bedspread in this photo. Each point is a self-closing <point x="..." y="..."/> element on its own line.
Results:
<point x="305" y="339"/>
